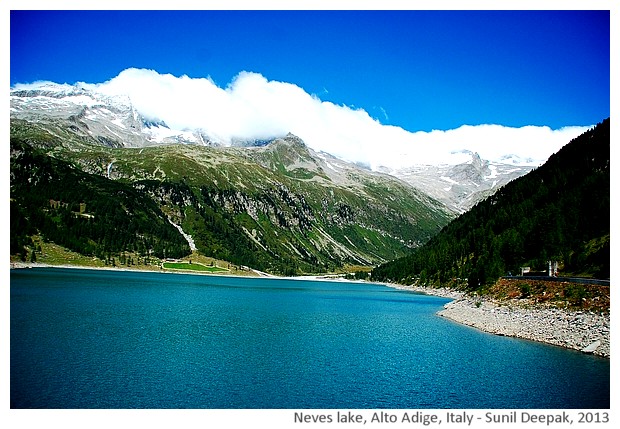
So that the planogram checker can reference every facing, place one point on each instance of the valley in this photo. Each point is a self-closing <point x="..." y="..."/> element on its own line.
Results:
<point x="89" y="173"/>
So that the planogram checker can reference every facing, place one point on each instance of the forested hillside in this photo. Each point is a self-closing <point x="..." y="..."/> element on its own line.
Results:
<point x="83" y="212"/>
<point x="558" y="212"/>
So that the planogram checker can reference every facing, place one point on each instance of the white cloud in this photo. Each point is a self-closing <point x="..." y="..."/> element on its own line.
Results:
<point x="253" y="107"/>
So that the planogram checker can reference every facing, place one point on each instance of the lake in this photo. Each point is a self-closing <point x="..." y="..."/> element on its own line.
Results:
<point x="118" y="339"/>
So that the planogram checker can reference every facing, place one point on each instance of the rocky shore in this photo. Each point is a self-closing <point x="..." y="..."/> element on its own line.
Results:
<point x="586" y="331"/>
<point x="579" y="330"/>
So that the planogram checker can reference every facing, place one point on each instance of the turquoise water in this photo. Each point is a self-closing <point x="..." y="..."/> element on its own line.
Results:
<point x="105" y="339"/>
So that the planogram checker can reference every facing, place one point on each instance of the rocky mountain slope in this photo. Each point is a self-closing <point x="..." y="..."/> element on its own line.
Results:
<point x="95" y="117"/>
<point x="461" y="186"/>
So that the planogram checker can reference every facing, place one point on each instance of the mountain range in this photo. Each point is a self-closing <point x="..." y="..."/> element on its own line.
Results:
<point x="114" y="122"/>
<point x="92" y="174"/>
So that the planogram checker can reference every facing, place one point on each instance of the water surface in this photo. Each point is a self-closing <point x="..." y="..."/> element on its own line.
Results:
<point x="114" y="339"/>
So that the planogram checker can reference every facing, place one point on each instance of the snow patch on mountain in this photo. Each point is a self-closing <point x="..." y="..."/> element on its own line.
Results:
<point x="95" y="114"/>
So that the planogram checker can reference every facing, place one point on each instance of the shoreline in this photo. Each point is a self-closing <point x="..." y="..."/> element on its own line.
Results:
<point x="584" y="331"/>
<point x="443" y="292"/>
<point x="26" y="265"/>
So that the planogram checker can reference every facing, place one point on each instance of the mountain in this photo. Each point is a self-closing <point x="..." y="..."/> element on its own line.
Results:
<point x="96" y="117"/>
<point x="461" y="186"/>
<point x="557" y="212"/>
<point x="113" y="121"/>
<point x="279" y="207"/>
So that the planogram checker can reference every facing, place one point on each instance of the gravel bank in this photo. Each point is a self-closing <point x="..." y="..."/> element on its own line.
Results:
<point x="579" y="330"/>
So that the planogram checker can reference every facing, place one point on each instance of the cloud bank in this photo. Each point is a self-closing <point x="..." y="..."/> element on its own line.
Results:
<point x="253" y="107"/>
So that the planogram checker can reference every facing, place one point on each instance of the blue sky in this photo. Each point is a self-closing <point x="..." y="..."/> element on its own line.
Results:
<point x="419" y="70"/>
